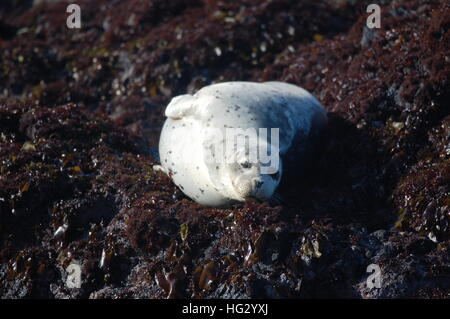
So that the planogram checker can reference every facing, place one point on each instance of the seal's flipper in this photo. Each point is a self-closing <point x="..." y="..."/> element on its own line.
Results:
<point x="159" y="168"/>
<point x="180" y="106"/>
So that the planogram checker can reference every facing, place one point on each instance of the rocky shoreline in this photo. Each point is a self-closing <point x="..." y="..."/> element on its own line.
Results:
<point x="80" y="114"/>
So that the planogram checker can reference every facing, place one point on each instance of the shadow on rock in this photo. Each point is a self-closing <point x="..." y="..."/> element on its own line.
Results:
<point x="348" y="179"/>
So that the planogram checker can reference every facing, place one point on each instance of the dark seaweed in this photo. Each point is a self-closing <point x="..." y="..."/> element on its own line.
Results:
<point x="81" y="110"/>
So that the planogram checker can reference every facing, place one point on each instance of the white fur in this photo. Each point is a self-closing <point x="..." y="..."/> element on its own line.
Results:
<point x="185" y="136"/>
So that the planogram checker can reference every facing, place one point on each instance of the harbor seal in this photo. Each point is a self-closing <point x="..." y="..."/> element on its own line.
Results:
<point x="195" y="148"/>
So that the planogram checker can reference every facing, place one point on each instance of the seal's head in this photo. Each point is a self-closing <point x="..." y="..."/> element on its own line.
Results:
<point x="243" y="176"/>
<point x="248" y="181"/>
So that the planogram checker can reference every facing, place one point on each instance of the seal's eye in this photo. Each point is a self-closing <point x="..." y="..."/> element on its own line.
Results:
<point x="246" y="165"/>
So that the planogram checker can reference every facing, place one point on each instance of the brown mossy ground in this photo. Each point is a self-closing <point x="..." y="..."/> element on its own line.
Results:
<point x="80" y="111"/>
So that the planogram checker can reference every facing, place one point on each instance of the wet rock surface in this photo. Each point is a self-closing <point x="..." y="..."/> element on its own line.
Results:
<point x="81" y="110"/>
